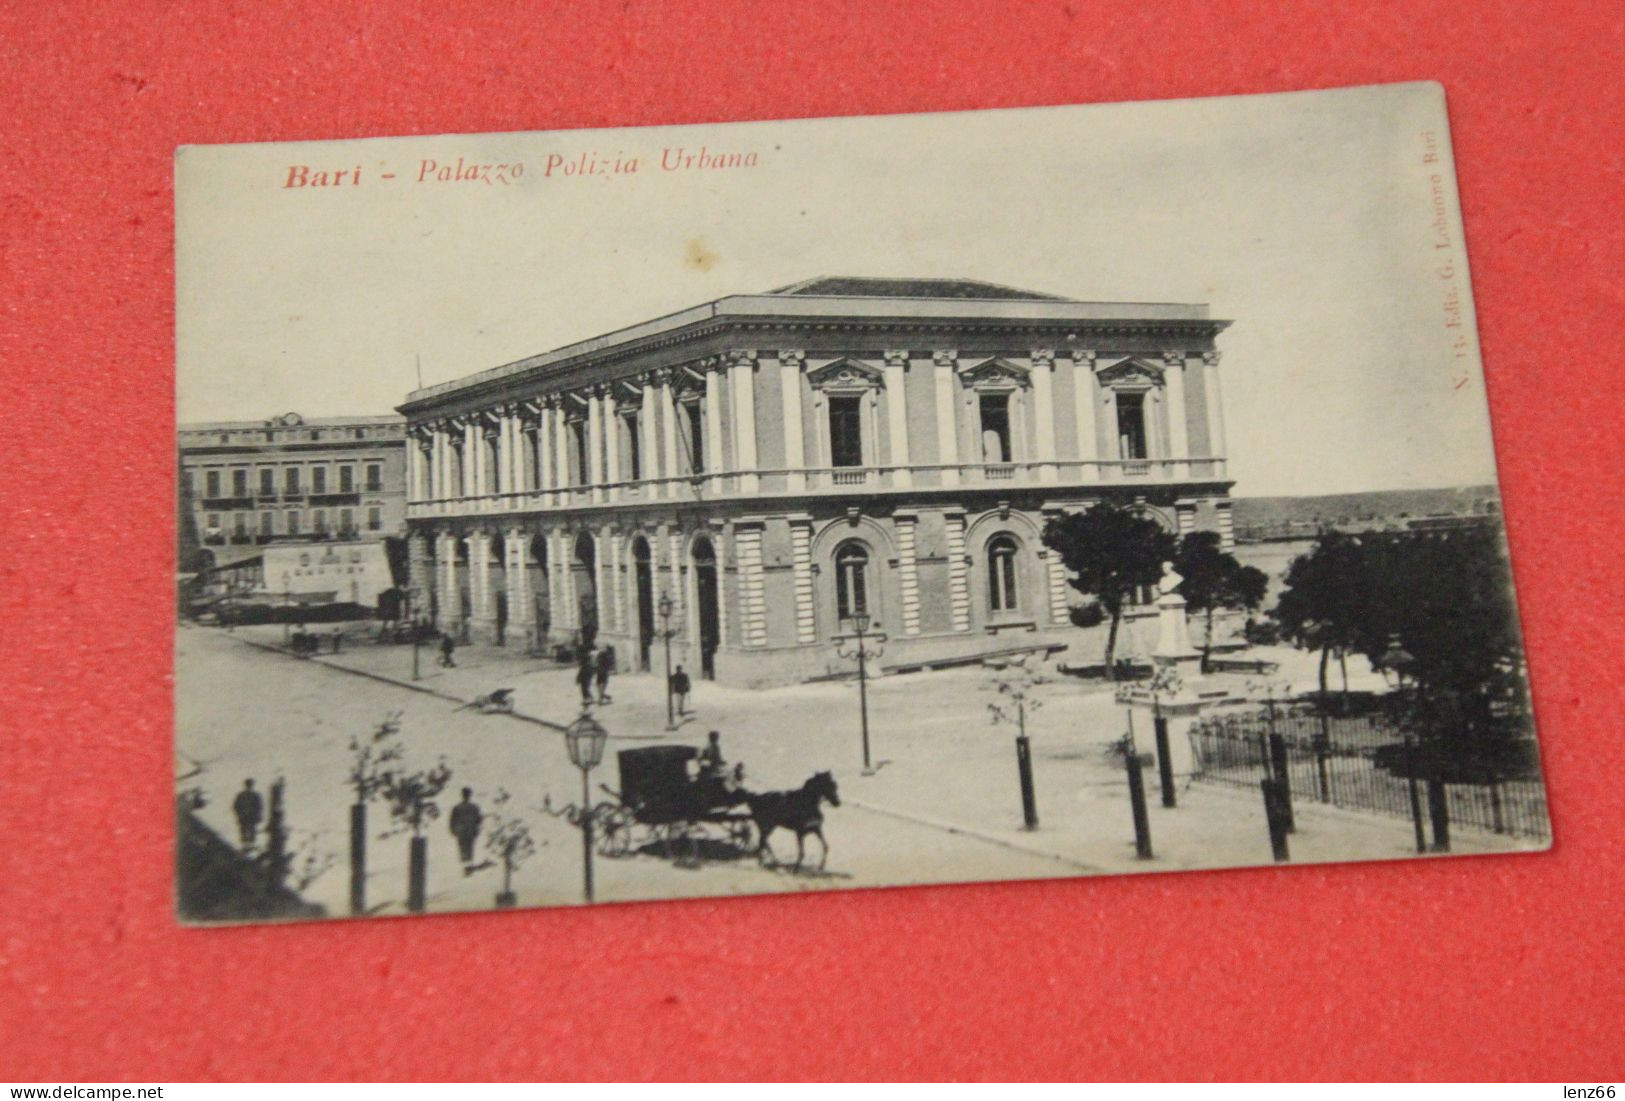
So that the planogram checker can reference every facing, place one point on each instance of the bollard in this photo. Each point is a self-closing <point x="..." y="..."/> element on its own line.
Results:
<point x="1275" y="816"/>
<point x="358" y="858"/>
<point x="1136" y="798"/>
<point x="1024" y="770"/>
<point x="417" y="874"/>
<point x="1439" y="810"/>
<point x="1165" y="761"/>
<point x="1416" y="816"/>
<point x="1283" y="779"/>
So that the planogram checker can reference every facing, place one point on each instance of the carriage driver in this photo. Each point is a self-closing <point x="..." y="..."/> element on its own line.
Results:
<point x="712" y="766"/>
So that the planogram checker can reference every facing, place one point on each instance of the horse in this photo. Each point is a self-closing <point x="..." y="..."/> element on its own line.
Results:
<point x="799" y="810"/>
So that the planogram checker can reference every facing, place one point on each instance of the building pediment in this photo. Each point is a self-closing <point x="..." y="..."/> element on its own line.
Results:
<point x="845" y="374"/>
<point x="994" y="374"/>
<point x="1130" y="372"/>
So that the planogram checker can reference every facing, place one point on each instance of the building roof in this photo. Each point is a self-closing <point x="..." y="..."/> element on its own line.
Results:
<point x="855" y="286"/>
<point x="859" y="299"/>
<point x="290" y="420"/>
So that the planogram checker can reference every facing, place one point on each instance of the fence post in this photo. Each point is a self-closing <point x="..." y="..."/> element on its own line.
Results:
<point x="1323" y="750"/>
<point x="1497" y="817"/>
<point x="1439" y="810"/>
<point x="1165" y="761"/>
<point x="1024" y="767"/>
<point x="1283" y="778"/>
<point x="1416" y="798"/>
<point x="1275" y="817"/>
<point x="1136" y="798"/>
<point x="358" y="858"/>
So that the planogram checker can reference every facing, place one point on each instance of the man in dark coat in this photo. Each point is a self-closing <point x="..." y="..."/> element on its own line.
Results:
<point x="447" y="647"/>
<point x="465" y="826"/>
<point x="249" y="809"/>
<point x="585" y="673"/>
<point x="680" y="688"/>
<point x="605" y="666"/>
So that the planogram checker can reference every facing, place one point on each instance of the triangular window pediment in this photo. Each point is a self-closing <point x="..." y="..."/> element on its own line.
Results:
<point x="994" y="374"/>
<point x="1130" y="372"/>
<point x="845" y="374"/>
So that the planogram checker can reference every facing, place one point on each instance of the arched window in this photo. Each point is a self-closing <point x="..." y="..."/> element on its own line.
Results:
<point x="1001" y="574"/>
<point x="851" y="581"/>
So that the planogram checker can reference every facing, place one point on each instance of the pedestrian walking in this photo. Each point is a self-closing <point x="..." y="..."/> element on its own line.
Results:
<point x="586" y="672"/>
<point x="605" y="666"/>
<point x="447" y="648"/>
<point x="249" y="809"/>
<point x="680" y="687"/>
<point x="465" y="826"/>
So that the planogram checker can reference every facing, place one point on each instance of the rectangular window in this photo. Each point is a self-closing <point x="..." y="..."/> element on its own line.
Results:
<point x="293" y="523"/>
<point x="239" y="524"/>
<point x="266" y="523"/>
<point x="1131" y="426"/>
<point x="239" y="483"/>
<point x="267" y="481"/>
<point x="634" y="447"/>
<point x="846" y="431"/>
<point x="212" y="484"/>
<point x="995" y="409"/>
<point x="695" y="416"/>
<point x="318" y="521"/>
<point x="375" y="477"/>
<point x="578" y="433"/>
<point x="346" y="479"/>
<point x="347" y="521"/>
<point x="213" y="523"/>
<point x="318" y="479"/>
<point x="375" y="519"/>
<point x="290" y="480"/>
<point x="186" y="483"/>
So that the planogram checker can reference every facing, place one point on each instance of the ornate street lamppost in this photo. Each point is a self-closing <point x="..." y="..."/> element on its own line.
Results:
<point x="585" y="740"/>
<point x="665" y="610"/>
<point x="860" y="625"/>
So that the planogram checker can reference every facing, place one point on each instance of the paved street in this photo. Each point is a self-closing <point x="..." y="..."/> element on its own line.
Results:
<point x="943" y="805"/>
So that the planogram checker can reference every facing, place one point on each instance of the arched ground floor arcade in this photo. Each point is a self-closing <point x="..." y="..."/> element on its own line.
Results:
<point x="756" y="596"/>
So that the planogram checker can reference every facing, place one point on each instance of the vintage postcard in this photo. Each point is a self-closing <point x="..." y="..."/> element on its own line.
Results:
<point x="723" y="509"/>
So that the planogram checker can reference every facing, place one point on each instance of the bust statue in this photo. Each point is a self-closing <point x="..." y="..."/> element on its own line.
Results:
<point x="1170" y="581"/>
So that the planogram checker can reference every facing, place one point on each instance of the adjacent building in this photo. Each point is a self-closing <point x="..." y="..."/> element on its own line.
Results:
<point x="768" y="467"/>
<point x="295" y="504"/>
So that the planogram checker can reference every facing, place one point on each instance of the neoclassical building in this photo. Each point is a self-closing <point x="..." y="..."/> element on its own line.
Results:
<point x="776" y="463"/>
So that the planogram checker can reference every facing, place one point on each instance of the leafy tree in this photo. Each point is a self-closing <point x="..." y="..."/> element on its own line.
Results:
<point x="373" y="756"/>
<point x="1111" y="551"/>
<point x="1214" y="579"/>
<point x="1326" y="603"/>
<point x="411" y="796"/>
<point x="1014" y="684"/>
<point x="508" y="840"/>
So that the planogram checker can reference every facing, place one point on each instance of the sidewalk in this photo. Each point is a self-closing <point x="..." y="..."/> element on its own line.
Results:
<point x="940" y="762"/>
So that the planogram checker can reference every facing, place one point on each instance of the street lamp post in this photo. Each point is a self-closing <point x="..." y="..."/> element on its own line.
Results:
<point x="585" y="740"/>
<point x="665" y="609"/>
<point x="860" y="625"/>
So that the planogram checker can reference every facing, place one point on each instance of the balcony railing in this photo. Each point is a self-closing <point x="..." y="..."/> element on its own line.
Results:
<point x="831" y="481"/>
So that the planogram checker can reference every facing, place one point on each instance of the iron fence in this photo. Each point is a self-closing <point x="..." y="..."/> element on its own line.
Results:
<point x="1329" y="758"/>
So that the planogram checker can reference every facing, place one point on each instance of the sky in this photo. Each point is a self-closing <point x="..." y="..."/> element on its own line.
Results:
<point x="1325" y="225"/>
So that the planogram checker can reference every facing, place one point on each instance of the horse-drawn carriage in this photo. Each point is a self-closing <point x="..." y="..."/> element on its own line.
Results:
<point x="660" y="802"/>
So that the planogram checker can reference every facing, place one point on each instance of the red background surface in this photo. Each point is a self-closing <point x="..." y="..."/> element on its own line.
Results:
<point x="1503" y="967"/>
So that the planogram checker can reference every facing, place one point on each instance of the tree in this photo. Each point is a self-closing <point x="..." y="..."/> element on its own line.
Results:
<point x="411" y="796"/>
<point x="1214" y="579"/>
<point x="1111" y="551"/>
<point x="508" y="840"/>
<point x="1328" y="603"/>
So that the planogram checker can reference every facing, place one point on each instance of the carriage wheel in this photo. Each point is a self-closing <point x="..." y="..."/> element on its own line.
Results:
<point x="614" y="830"/>
<point x="740" y="834"/>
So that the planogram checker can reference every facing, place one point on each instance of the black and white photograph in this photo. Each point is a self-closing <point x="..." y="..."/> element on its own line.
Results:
<point x="617" y="515"/>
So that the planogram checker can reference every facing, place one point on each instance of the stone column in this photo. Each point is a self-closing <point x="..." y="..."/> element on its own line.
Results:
<point x="448" y="599"/>
<point x="742" y="382"/>
<point x="611" y="417"/>
<point x="1043" y="370"/>
<point x="563" y="494"/>
<point x="1215" y="411"/>
<point x="715" y="461"/>
<point x="791" y="361"/>
<point x="908" y="573"/>
<point x="545" y="453"/>
<point x="649" y="427"/>
<point x="483" y="620"/>
<point x="947" y="363"/>
<point x="521" y="605"/>
<point x="668" y="431"/>
<point x="894" y="376"/>
<point x="594" y="474"/>
<point x="1085" y="400"/>
<point x="752" y="594"/>
<point x="1179" y="447"/>
<point x="801" y="563"/>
